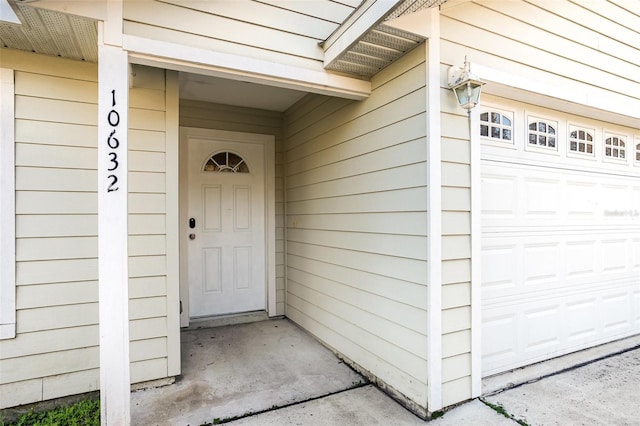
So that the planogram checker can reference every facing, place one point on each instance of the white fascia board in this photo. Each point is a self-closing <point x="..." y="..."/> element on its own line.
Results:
<point x="599" y="104"/>
<point x="418" y="23"/>
<point x="93" y="9"/>
<point x="7" y="14"/>
<point x="177" y="57"/>
<point x="367" y="16"/>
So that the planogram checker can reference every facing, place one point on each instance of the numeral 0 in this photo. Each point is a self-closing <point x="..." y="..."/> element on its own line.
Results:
<point x="113" y="118"/>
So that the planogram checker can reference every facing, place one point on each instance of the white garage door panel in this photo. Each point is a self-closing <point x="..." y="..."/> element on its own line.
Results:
<point x="526" y="195"/>
<point x="524" y="264"/>
<point x="533" y="329"/>
<point x="560" y="255"/>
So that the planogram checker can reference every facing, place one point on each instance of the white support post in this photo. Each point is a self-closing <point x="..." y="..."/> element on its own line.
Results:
<point x="113" y="276"/>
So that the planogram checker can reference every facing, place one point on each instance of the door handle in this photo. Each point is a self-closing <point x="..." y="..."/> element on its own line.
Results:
<point x="192" y="236"/>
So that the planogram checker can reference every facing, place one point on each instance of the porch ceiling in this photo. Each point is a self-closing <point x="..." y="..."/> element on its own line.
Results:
<point x="381" y="44"/>
<point x="50" y="33"/>
<point x="205" y="88"/>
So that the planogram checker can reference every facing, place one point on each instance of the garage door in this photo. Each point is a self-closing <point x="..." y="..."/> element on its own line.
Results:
<point x="560" y="234"/>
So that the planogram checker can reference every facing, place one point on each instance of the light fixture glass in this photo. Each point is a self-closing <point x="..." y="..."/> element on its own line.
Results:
<point x="465" y="85"/>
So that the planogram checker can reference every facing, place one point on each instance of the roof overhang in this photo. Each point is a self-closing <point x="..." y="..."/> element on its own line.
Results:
<point x="371" y="38"/>
<point x="50" y="31"/>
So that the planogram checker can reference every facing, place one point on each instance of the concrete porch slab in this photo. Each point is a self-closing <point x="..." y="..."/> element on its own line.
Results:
<point x="234" y="370"/>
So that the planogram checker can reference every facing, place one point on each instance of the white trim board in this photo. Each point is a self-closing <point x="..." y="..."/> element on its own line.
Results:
<point x="7" y="206"/>
<point x="172" y="222"/>
<point x="434" y="216"/>
<point x="177" y="57"/>
<point x="600" y="105"/>
<point x="270" y="212"/>
<point x="476" y="253"/>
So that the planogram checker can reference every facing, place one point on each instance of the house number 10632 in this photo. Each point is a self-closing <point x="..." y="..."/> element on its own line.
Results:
<point x="113" y="118"/>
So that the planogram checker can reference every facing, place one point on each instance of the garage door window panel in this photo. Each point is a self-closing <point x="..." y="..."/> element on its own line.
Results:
<point x="637" y="153"/>
<point x="615" y="147"/>
<point x="542" y="134"/>
<point x="581" y="141"/>
<point x="497" y="125"/>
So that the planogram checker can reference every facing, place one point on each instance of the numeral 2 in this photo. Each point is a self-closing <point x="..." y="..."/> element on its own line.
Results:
<point x="114" y="180"/>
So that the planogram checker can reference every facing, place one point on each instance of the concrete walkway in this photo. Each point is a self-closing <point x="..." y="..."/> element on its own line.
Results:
<point x="606" y="392"/>
<point x="274" y="373"/>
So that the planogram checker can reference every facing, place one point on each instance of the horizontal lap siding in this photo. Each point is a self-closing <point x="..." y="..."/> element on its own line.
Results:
<point x="147" y="236"/>
<point x="249" y="120"/>
<point x="594" y="45"/>
<point x="273" y="31"/>
<point x="356" y="224"/>
<point x="456" y="251"/>
<point x="55" y="352"/>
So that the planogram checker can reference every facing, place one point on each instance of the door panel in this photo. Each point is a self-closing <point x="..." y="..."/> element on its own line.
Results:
<point x="226" y="257"/>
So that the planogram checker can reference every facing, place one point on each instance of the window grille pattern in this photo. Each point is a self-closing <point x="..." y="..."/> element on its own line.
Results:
<point x="226" y="162"/>
<point x="615" y="147"/>
<point x="638" y="152"/>
<point x="581" y="140"/>
<point x="542" y="133"/>
<point x="496" y="125"/>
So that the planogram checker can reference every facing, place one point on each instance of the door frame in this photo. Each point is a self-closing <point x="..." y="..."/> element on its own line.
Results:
<point x="268" y="141"/>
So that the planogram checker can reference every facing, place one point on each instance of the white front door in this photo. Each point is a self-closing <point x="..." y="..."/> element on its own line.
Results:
<point x="226" y="227"/>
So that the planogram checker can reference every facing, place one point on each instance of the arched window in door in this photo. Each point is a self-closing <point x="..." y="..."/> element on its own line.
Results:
<point x="226" y="162"/>
<point x="615" y="147"/>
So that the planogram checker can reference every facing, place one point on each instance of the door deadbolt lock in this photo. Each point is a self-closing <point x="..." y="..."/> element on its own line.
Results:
<point x="192" y="236"/>
<point x="192" y="223"/>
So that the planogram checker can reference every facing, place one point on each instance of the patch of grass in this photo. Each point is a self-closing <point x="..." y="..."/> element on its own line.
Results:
<point x="500" y="410"/>
<point x="83" y="413"/>
<point x="497" y="408"/>
<point x="219" y="421"/>
<point x="437" y="414"/>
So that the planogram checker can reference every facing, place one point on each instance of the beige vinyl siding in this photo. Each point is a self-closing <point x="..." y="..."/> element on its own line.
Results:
<point x="571" y="45"/>
<point x="249" y="120"/>
<point x="280" y="32"/>
<point x="55" y="352"/>
<point x="56" y="231"/>
<point x="456" y="250"/>
<point x="356" y="225"/>
<point x="147" y="244"/>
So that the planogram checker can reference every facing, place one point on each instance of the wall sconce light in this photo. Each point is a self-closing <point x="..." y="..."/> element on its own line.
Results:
<point x="465" y="85"/>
